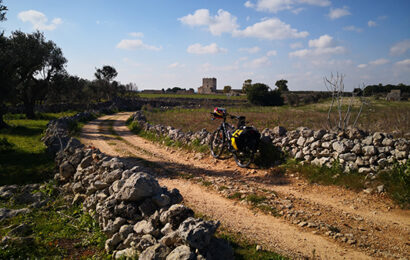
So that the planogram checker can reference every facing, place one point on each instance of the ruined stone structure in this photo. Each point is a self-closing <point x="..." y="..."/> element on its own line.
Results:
<point x="394" y="95"/>
<point x="208" y="86"/>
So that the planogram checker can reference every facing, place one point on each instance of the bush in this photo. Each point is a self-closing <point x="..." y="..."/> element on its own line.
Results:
<point x="260" y="94"/>
<point x="268" y="154"/>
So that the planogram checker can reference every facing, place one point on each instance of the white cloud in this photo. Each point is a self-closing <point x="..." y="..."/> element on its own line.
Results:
<point x="298" y="10"/>
<point x="324" y="45"/>
<point x="352" y="28"/>
<point x="272" y="53"/>
<point x="274" y="6"/>
<point x="176" y="65"/>
<point x="272" y="29"/>
<point x="400" y="47"/>
<point x="39" y="20"/>
<point x="212" y="48"/>
<point x="251" y="50"/>
<point x="248" y="4"/>
<point x="338" y="12"/>
<point x="404" y="63"/>
<point x="379" y="62"/>
<point x="258" y="62"/>
<point x="296" y="45"/>
<point x="223" y="22"/>
<point x="324" y="41"/>
<point x="136" y="34"/>
<point x="127" y="44"/>
<point x="371" y="23"/>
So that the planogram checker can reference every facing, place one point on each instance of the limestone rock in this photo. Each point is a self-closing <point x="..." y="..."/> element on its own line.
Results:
<point x="66" y="170"/>
<point x="175" y="215"/>
<point x="181" y="252"/>
<point x="196" y="232"/>
<point x="155" y="252"/>
<point x="138" y="186"/>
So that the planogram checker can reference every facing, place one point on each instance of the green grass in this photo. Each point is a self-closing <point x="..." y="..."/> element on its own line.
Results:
<point x="27" y="160"/>
<point x="397" y="183"/>
<point x="58" y="231"/>
<point x="255" y="199"/>
<point x="327" y="176"/>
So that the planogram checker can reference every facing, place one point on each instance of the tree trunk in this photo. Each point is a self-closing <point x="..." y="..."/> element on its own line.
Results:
<point x="29" y="109"/>
<point x="2" y="112"/>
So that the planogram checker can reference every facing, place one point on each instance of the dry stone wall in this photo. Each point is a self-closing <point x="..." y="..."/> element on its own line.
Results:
<point x="353" y="149"/>
<point x="138" y="215"/>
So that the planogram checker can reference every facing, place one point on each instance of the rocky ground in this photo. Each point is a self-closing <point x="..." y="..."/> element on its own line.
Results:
<point x="281" y="213"/>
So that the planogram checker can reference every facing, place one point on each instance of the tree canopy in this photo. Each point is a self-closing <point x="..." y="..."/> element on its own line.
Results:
<point x="37" y="62"/>
<point x="282" y="85"/>
<point x="261" y="94"/>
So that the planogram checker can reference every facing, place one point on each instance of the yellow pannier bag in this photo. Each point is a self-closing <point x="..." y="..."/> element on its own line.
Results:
<point x="235" y="135"/>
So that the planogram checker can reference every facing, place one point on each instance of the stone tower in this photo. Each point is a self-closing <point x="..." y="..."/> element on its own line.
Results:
<point x="208" y="86"/>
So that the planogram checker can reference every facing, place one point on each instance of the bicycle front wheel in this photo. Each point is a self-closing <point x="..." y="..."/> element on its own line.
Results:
<point x="217" y="144"/>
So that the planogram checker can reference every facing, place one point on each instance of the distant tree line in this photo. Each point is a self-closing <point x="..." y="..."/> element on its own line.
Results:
<point x="378" y="89"/>
<point x="176" y="90"/>
<point x="33" y="72"/>
<point x="262" y="95"/>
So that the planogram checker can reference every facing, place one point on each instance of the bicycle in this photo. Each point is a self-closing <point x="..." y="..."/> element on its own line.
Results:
<point x="221" y="140"/>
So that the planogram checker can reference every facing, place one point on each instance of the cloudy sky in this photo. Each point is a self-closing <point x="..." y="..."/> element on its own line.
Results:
<point x="175" y="43"/>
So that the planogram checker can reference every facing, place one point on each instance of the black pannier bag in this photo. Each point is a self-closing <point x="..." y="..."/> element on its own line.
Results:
<point x="246" y="137"/>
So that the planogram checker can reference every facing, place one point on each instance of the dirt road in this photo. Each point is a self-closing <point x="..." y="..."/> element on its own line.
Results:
<point x="304" y="221"/>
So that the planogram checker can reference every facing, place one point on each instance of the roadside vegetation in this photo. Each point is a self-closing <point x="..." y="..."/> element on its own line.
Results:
<point x="56" y="230"/>
<point x="23" y="157"/>
<point x="194" y="146"/>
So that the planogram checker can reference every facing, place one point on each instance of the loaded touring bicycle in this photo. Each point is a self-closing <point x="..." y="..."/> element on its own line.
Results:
<point x="241" y="142"/>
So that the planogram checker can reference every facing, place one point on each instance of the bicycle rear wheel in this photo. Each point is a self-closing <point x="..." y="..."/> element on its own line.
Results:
<point x="244" y="158"/>
<point x="217" y="144"/>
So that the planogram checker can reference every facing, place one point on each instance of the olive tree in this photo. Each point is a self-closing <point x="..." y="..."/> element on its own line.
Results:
<point x="37" y="62"/>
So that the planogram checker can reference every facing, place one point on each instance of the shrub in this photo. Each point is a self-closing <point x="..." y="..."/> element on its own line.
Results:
<point x="260" y="94"/>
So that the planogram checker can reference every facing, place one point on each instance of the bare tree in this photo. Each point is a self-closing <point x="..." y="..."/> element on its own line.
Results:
<point x="335" y="85"/>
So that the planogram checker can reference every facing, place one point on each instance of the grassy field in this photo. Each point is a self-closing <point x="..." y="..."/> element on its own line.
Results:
<point x="196" y="96"/>
<point x="380" y="115"/>
<point x="23" y="158"/>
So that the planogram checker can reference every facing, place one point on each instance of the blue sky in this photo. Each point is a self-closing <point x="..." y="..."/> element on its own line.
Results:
<point x="161" y="44"/>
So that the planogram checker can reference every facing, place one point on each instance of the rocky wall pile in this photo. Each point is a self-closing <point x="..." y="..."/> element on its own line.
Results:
<point x="138" y="215"/>
<point x="353" y="149"/>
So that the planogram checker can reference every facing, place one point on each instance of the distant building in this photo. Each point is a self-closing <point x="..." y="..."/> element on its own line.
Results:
<point x="394" y="95"/>
<point x="208" y="86"/>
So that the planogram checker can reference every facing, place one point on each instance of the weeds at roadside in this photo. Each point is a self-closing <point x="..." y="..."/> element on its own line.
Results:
<point x="255" y="199"/>
<point x="58" y="231"/>
<point x="397" y="183"/>
<point x="327" y="176"/>
<point x="165" y="140"/>
<point x="244" y="249"/>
